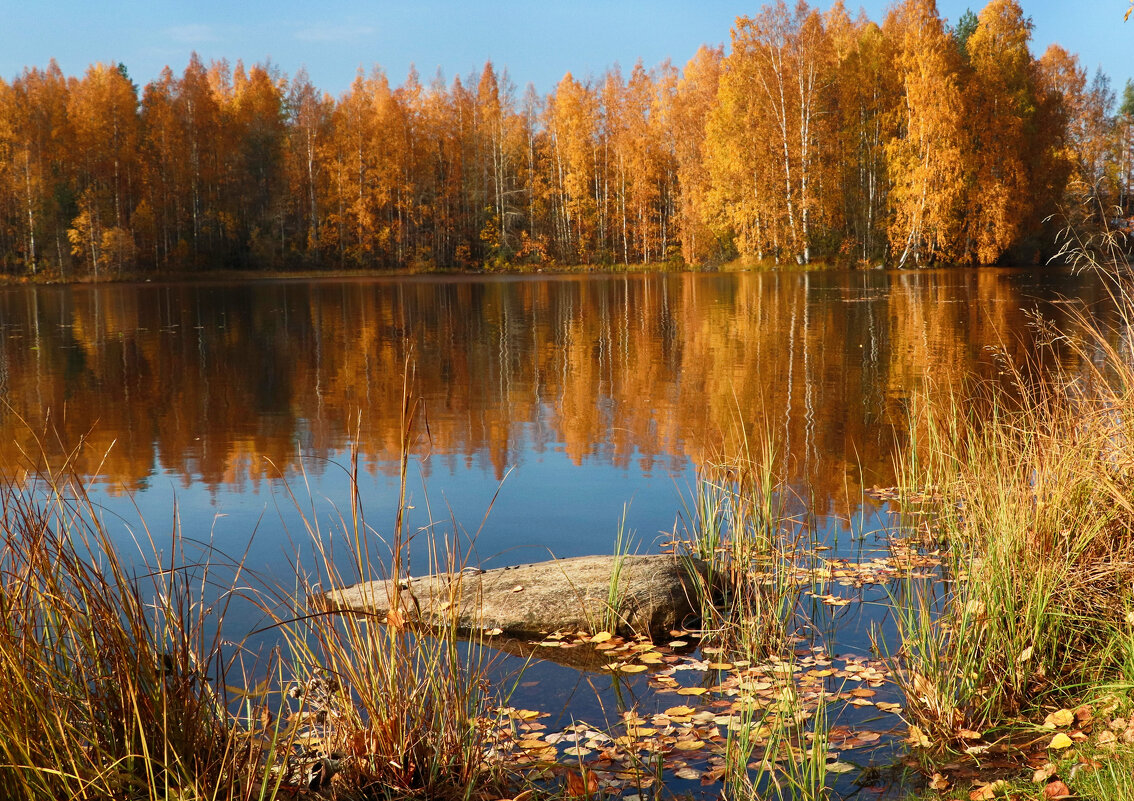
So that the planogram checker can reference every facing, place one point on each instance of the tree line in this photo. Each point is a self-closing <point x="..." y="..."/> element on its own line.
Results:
<point x="814" y="136"/>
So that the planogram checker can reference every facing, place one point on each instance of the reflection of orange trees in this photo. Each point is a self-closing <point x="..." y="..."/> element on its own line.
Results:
<point x="228" y="383"/>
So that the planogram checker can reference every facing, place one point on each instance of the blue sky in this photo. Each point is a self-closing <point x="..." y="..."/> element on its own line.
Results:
<point x="535" y="40"/>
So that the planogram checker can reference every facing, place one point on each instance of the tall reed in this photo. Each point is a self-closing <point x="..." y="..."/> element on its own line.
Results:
<point x="410" y="708"/>
<point x="1031" y="486"/>
<point x="749" y="545"/>
<point x="112" y="675"/>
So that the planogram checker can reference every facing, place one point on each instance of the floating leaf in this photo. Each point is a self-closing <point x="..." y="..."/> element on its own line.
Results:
<point x="839" y="767"/>
<point x="602" y="636"/>
<point x="679" y="711"/>
<point x="689" y="745"/>
<point x="631" y="668"/>
<point x="692" y="691"/>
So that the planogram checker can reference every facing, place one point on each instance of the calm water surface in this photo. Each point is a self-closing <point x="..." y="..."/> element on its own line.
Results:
<point x="567" y="399"/>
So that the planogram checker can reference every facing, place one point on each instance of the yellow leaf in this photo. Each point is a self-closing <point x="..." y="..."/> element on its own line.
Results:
<point x="1059" y="719"/>
<point x="602" y="636"/>
<point x="1059" y="742"/>
<point x="692" y="691"/>
<point x="688" y="745"/>
<point x="917" y="738"/>
<point x="632" y="668"/>
<point x="679" y="711"/>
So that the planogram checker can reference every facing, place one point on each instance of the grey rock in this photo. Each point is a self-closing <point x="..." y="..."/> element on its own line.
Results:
<point x="655" y="593"/>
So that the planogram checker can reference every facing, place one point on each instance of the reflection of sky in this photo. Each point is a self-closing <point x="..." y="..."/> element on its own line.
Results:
<point x="547" y="505"/>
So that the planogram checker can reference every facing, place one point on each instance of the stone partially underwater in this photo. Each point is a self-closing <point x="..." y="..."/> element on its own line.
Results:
<point x="655" y="593"/>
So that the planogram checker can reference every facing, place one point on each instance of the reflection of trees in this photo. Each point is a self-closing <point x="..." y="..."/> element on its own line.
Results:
<point x="219" y="382"/>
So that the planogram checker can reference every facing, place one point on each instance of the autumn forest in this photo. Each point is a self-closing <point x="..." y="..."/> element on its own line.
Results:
<point x="812" y="138"/>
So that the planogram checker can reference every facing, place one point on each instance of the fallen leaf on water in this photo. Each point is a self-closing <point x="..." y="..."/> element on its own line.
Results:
<point x="631" y="668"/>
<point x="1059" y="742"/>
<point x="688" y="745"/>
<point x="601" y="636"/>
<point x="839" y="767"/>
<point x="679" y="711"/>
<point x="688" y="774"/>
<point x="578" y="786"/>
<point x="692" y="691"/>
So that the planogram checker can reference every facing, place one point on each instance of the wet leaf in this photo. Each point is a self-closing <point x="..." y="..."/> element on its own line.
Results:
<point x="632" y="668"/>
<point x="689" y="774"/>
<point x="839" y="767"/>
<point x="580" y="786"/>
<point x="601" y="636"/>
<point x="679" y="711"/>
<point x="692" y="691"/>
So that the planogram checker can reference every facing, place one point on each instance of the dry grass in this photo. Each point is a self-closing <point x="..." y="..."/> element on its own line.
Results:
<point x="119" y="682"/>
<point x="1032" y="488"/>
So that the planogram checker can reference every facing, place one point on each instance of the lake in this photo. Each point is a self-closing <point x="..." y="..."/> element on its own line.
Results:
<point x="550" y="407"/>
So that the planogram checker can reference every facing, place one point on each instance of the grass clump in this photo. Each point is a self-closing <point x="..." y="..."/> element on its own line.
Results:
<point x="750" y="545"/>
<point x="112" y="681"/>
<point x="1031" y="487"/>
<point x="120" y="682"/>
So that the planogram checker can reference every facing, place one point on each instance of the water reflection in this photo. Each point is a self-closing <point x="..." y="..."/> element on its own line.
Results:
<point x="219" y="383"/>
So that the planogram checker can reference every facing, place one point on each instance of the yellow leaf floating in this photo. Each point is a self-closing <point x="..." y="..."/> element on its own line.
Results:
<point x="688" y="745"/>
<point x="632" y="668"/>
<point x="679" y="711"/>
<point x="602" y="636"/>
<point x="692" y="691"/>
<point x="1059" y="742"/>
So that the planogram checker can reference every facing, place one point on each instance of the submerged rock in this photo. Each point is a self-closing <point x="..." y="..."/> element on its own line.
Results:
<point x="655" y="593"/>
